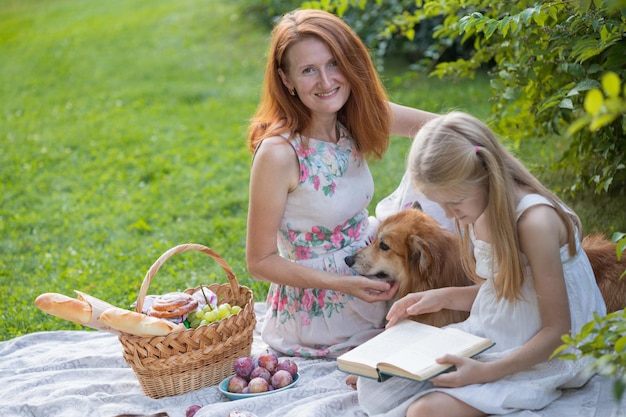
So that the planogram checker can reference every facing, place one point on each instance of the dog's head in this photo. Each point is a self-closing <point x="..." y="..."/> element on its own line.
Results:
<point x="410" y="247"/>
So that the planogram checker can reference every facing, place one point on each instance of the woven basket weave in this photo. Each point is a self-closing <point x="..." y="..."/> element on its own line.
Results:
<point x="194" y="358"/>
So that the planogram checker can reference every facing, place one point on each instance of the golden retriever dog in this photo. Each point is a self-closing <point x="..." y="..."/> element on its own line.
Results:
<point x="412" y="248"/>
<point x="608" y="270"/>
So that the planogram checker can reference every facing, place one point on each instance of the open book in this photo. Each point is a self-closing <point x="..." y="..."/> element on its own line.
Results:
<point x="409" y="350"/>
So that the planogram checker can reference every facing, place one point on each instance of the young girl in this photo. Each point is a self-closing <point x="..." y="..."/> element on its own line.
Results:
<point x="534" y="282"/>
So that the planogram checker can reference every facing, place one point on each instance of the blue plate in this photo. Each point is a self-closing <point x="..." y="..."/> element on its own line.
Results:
<point x="223" y="387"/>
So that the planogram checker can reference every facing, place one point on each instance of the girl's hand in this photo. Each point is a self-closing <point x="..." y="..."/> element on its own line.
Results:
<point x="468" y="371"/>
<point x="415" y="303"/>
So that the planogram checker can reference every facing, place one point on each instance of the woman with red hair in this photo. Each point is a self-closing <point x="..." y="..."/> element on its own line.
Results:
<point x="323" y="113"/>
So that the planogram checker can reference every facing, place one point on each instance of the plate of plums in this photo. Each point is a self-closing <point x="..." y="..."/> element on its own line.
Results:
<point x="266" y="375"/>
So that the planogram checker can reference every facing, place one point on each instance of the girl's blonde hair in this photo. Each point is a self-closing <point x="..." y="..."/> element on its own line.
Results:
<point x="454" y="151"/>
<point x="366" y="114"/>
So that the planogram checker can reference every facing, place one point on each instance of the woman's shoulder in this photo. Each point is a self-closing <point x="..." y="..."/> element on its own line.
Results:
<point x="275" y="150"/>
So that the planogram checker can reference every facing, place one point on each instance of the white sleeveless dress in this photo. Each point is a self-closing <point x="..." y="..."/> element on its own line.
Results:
<point x="325" y="220"/>
<point x="404" y="196"/>
<point x="510" y="325"/>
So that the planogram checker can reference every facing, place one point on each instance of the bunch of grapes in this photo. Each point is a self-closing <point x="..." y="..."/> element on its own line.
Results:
<point x="266" y="374"/>
<point x="209" y="314"/>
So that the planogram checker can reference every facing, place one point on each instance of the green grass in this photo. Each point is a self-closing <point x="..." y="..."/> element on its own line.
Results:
<point x="122" y="134"/>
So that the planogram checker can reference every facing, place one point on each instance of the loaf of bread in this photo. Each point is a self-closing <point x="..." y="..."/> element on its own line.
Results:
<point x="173" y="304"/>
<point x="62" y="306"/>
<point x="137" y="324"/>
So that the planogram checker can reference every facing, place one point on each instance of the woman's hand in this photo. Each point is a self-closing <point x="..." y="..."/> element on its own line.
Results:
<point x="468" y="371"/>
<point x="368" y="289"/>
<point x="415" y="303"/>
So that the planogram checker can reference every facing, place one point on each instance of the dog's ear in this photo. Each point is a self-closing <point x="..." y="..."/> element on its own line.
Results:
<point x="416" y="206"/>
<point x="421" y="257"/>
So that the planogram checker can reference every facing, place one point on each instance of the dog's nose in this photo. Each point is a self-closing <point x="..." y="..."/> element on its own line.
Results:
<point x="349" y="260"/>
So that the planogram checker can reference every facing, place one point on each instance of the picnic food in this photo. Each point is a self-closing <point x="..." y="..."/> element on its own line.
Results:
<point x="192" y="410"/>
<point x="261" y="379"/>
<point x="173" y="304"/>
<point x="92" y="312"/>
<point x="244" y="366"/>
<point x="62" y="306"/>
<point x="137" y="324"/>
<point x="209" y="314"/>
<point x="84" y="310"/>
<point x="281" y="378"/>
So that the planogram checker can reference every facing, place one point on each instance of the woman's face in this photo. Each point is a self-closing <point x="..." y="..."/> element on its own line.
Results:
<point x="313" y="72"/>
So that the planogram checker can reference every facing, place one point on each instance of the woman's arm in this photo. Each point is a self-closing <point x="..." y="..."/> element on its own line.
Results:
<point x="407" y="120"/>
<point x="275" y="172"/>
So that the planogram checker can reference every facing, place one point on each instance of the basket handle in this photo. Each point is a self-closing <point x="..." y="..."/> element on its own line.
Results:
<point x="234" y="285"/>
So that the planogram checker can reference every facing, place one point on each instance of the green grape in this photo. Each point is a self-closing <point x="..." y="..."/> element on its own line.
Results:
<point x="211" y="316"/>
<point x="223" y="311"/>
<point x="235" y="310"/>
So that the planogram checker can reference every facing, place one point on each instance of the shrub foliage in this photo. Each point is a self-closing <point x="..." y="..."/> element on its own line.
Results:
<point x="542" y="58"/>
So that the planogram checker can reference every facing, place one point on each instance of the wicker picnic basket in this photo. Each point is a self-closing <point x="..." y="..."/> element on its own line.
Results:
<point x="194" y="358"/>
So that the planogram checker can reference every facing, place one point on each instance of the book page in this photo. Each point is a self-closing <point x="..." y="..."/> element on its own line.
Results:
<point x="419" y="358"/>
<point x="377" y="349"/>
<point x="410" y="349"/>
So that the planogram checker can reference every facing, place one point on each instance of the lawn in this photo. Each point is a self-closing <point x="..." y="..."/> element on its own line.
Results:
<point x="123" y="134"/>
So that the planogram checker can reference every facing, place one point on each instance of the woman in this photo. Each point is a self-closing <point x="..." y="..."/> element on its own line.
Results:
<point x="323" y="111"/>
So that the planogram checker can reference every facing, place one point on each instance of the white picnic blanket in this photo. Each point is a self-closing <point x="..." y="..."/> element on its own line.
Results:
<point x="83" y="373"/>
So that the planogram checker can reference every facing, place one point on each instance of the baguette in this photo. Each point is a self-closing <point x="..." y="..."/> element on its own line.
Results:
<point x="62" y="306"/>
<point x="137" y="324"/>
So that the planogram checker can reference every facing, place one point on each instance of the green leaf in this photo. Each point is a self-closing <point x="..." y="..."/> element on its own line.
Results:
<point x="566" y="103"/>
<point x="527" y="14"/>
<point x="611" y="84"/>
<point x="578" y="124"/>
<point x="593" y="102"/>
<point x="584" y="85"/>
<point x="552" y="11"/>
<point x="505" y="25"/>
<point x="568" y="357"/>
<point x="601" y="121"/>
<point x="491" y="28"/>
<point x="584" y="5"/>
<point x="620" y="344"/>
<point x="618" y="389"/>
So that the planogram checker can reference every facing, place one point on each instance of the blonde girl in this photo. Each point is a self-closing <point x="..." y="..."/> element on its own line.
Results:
<point x="522" y="246"/>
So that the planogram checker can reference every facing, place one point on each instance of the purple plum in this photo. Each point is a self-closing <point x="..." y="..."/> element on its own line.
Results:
<point x="289" y="366"/>
<point x="236" y="384"/>
<point x="281" y="379"/>
<point x="244" y="366"/>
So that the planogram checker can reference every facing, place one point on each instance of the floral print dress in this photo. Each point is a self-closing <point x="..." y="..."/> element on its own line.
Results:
<point x="325" y="220"/>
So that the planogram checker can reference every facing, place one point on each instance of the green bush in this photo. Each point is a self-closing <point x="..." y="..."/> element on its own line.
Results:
<point x="543" y="57"/>
<point x="604" y="338"/>
<point x="604" y="341"/>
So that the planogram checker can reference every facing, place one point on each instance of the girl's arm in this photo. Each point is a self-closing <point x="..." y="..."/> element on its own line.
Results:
<point x="452" y="298"/>
<point x="541" y="234"/>
<point x="275" y="173"/>
<point x="407" y="120"/>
